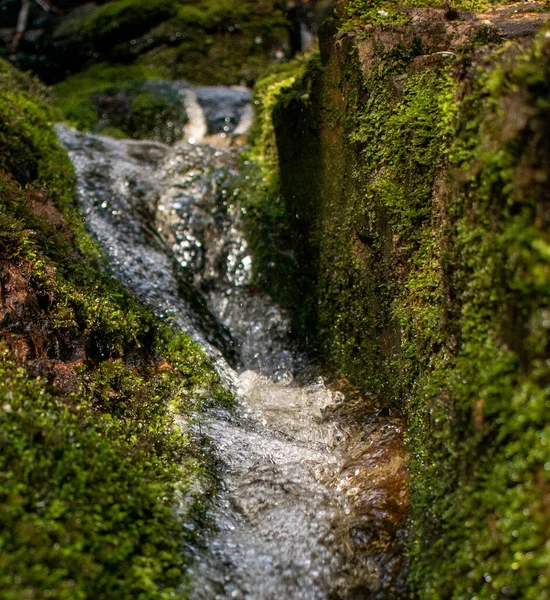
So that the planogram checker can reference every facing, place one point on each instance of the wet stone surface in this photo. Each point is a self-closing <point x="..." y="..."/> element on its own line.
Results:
<point x="314" y="492"/>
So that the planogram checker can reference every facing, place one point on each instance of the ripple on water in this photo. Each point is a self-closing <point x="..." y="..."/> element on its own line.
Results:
<point x="314" y="493"/>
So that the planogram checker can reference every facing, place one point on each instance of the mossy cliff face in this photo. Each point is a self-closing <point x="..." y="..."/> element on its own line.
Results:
<point x="412" y="167"/>
<point x="92" y="464"/>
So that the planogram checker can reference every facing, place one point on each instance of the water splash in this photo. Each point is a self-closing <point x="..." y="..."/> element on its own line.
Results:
<point x="314" y="494"/>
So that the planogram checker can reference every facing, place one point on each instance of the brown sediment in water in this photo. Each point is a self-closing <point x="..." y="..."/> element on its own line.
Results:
<point x="374" y="480"/>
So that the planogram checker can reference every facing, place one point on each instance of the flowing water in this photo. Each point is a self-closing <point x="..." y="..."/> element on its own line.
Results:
<point x="314" y="483"/>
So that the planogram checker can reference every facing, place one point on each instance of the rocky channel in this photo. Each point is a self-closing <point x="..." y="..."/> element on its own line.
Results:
<point x="313" y="499"/>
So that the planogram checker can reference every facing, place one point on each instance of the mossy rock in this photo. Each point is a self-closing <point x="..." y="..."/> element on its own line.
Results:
<point x="355" y="14"/>
<point x="29" y="150"/>
<point x="92" y="462"/>
<point x="142" y="110"/>
<point x="207" y="41"/>
<point x="223" y="59"/>
<point x="268" y="217"/>
<point x="75" y="96"/>
<point x="124" y="101"/>
<point x="412" y="198"/>
<point x="116" y="21"/>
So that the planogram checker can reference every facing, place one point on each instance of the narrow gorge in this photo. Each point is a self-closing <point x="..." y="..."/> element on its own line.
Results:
<point x="274" y="298"/>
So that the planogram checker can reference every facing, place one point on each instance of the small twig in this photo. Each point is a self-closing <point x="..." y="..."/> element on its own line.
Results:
<point x="23" y="18"/>
<point x="21" y="25"/>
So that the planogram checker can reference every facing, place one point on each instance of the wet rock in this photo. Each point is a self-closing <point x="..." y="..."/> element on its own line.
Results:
<point x="223" y="108"/>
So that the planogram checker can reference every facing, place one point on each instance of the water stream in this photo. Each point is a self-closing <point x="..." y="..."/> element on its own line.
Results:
<point x="314" y="482"/>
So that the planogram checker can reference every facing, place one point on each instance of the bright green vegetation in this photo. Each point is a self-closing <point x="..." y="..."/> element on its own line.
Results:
<point x="266" y="218"/>
<point x="218" y="42"/>
<point x="122" y="101"/>
<point x="412" y="197"/>
<point x="480" y="402"/>
<point x="202" y="41"/>
<point x="76" y="96"/>
<point x="358" y="13"/>
<point x="92" y="463"/>
<point x="88" y="484"/>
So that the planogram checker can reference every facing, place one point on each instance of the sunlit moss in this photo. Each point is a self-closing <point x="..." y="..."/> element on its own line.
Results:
<point x="423" y="211"/>
<point x="92" y="463"/>
<point x="358" y="13"/>
<point x="267" y="218"/>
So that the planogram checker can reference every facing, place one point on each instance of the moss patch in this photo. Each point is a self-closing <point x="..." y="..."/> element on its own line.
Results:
<point x="204" y="41"/>
<point x="358" y="13"/>
<point x="126" y="101"/>
<point x="218" y="42"/>
<point x="267" y="218"/>
<point x="91" y="461"/>
<point x="77" y="95"/>
<point x="479" y="405"/>
<point x="421" y="225"/>
<point x="116" y="21"/>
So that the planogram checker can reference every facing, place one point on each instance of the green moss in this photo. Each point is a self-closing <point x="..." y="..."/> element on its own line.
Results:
<point x="213" y="16"/>
<point x="205" y="42"/>
<point x="13" y="79"/>
<point x="358" y="13"/>
<point x="267" y="93"/>
<point x="118" y="20"/>
<point x="92" y="462"/>
<point x="481" y="415"/>
<point x="29" y="150"/>
<point x="76" y="96"/>
<point x="222" y="59"/>
<point x="266" y="213"/>
<point x="86" y="498"/>
<point x="224" y="43"/>
<point x="156" y="115"/>
<point x="114" y="132"/>
<point x="423" y="218"/>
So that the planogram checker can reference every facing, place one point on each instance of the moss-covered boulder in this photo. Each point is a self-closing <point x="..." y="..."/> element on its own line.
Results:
<point x="92" y="463"/>
<point x="123" y="102"/>
<point x="203" y="41"/>
<point x="411" y="167"/>
<point x="216" y="43"/>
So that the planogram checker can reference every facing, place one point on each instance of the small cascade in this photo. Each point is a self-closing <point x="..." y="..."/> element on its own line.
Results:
<point x="217" y="115"/>
<point x="312" y="500"/>
<point x="197" y="128"/>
